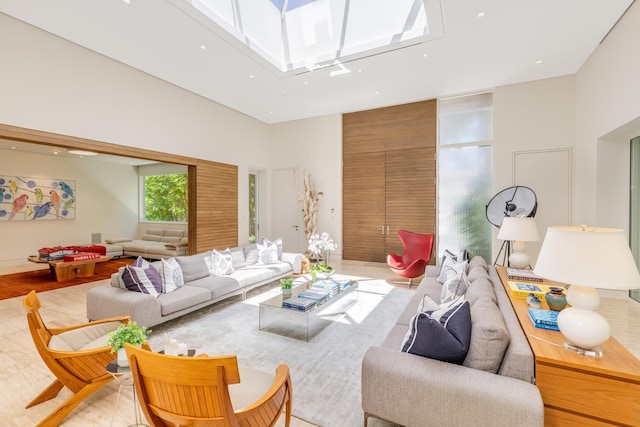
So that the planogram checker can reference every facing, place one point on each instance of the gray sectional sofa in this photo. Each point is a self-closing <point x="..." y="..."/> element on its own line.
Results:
<point x="200" y="289"/>
<point x="494" y="386"/>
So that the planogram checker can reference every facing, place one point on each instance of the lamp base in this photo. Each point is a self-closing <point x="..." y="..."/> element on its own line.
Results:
<point x="593" y="352"/>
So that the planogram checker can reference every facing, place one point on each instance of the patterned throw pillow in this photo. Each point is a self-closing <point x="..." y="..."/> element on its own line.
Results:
<point x="454" y="287"/>
<point x="147" y="281"/>
<point x="267" y="254"/>
<point x="141" y="262"/>
<point x="221" y="262"/>
<point x="449" y="259"/>
<point x="443" y="335"/>
<point x="277" y="242"/>
<point x="172" y="277"/>
<point x="450" y="270"/>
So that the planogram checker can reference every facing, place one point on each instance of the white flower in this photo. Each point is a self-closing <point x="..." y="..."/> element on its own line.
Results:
<point x="321" y="243"/>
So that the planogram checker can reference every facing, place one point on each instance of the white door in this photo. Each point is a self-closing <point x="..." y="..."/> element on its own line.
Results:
<point x="287" y="212"/>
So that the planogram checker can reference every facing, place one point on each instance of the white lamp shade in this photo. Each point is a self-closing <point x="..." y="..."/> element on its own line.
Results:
<point x="588" y="256"/>
<point x="518" y="229"/>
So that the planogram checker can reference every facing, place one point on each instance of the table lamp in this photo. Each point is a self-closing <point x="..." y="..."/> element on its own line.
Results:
<point x="586" y="258"/>
<point x="518" y="230"/>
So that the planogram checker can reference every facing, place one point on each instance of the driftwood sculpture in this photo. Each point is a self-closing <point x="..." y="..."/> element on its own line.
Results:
<point x="309" y="198"/>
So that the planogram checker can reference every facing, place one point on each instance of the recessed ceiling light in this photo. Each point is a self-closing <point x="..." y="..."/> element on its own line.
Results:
<point x="126" y="1"/>
<point x="539" y="61"/>
<point x="359" y="70"/>
<point x="203" y="47"/>
<point x="251" y="76"/>
<point x="306" y="83"/>
<point x="425" y="55"/>
<point x="81" y="152"/>
<point x="55" y="153"/>
<point x="375" y="92"/>
<point x="13" y="147"/>
<point x="481" y="14"/>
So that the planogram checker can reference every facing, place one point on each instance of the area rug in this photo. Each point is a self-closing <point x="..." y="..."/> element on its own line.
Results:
<point x="19" y="284"/>
<point x="325" y="371"/>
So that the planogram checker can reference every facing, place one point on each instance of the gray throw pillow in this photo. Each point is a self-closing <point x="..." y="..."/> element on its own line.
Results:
<point x="194" y="267"/>
<point x="489" y="337"/>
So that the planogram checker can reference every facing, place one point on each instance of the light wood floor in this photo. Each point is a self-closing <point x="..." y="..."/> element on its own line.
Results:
<point x="24" y="375"/>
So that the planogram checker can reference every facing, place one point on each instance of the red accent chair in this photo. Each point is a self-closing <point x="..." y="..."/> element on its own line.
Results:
<point x="417" y="254"/>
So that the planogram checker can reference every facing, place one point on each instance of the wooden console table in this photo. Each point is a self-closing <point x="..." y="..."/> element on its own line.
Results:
<point x="580" y="390"/>
<point x="71" y="269"/>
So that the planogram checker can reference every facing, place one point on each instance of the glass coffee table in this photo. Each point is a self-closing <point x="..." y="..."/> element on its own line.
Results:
<point x="296" y="322"/>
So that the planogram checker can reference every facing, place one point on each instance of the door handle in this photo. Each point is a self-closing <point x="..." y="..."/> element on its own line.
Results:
<point x="388" y="230"/>
<point x="381" y="229"/>
<point x="295" y="227"/>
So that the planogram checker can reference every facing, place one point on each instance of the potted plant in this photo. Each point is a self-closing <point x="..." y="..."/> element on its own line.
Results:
<point x="127" y="333"/>
<point x="321" y="246"/>
<point x="286" y="284"/>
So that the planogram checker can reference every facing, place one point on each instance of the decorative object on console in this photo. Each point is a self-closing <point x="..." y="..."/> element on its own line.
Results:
<point x="556" y="299"/>
<point x="533" y="301"/>
<point x="515" y="201"/>
<point x="130" y="333"/>
<point x="586" y="258"/>
<point x="518" y="230"/>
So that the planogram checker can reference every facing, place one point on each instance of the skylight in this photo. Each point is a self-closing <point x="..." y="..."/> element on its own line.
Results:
<point x="295" y="35"/>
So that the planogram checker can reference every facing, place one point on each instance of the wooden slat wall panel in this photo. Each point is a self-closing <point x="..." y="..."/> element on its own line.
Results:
<point x="391" y="128"/>
<point x="213" y="187"/>
<point x="398" y="188"/>
<point x="363" y="206"/>
<point x="410" y="200"/>
<point x="216" y="211"/>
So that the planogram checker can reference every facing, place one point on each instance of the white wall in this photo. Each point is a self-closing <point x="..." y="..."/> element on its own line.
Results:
<point x="315" y="145"/>
<point x="537" y="115"/>
<point x="608" y="116"/>
<point x="50" y="84"/>
<point x="107" y="196"/>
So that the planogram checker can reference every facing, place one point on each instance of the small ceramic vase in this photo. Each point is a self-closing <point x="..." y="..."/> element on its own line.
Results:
<point x="123" y="362"/>
<point x="286" y="293"/>
<point x="556" y="299"/>
<point x="533" y="301"/>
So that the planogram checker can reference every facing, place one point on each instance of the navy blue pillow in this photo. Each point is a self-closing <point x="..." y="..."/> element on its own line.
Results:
<point x="447" y="339"/>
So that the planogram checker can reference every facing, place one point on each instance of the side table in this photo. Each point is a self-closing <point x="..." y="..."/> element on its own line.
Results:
<point x="124" y="378"/>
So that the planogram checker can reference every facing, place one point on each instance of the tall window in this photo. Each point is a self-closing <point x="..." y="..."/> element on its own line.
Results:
<point x="253" y="206"/>
<point x="464" y="173"/>
<point x="634" y="211"/>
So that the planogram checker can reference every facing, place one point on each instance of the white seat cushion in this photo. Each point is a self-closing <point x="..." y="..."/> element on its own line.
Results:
<point x="254" y="383"/>
<point x="89" y="337"/>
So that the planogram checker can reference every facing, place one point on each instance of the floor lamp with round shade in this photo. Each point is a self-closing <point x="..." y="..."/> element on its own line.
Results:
<point x="586" y="258"/>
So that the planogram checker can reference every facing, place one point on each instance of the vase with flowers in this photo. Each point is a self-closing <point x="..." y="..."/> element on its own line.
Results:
<point x="321" y="247"/>
<point x="127" y="333"/>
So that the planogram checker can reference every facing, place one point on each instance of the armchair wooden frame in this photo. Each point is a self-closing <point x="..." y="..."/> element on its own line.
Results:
<point x="177" y="391"/>
<point x="83" y="372"/>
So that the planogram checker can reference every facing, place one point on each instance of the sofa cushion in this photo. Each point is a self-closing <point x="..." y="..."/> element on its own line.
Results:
<point x="195" y="266"/>
<point x="479" y="288"/>
<point x="251" y="274"/>
<point x="478" y="261"/>
<point x="237" y="257"/>
<point x="489" y="336"/>
<point x="145" y="280"/>
<point x="443" y="336"/>
<point x="221" y="263"/>
<point x="250" y="253"/>
<point x="170" y="239"/>
<point x="151" y="237"/>
<point x="218" y="286"/>
<point x="174" y="233"/>
<point x="183" y="298"/>
<point x="172" y="277"/>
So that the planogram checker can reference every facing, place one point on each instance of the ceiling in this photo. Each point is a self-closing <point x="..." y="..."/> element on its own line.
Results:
<point x="513" y="42"/>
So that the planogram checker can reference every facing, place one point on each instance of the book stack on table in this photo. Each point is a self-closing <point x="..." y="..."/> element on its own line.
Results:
<point x="331" y="286"/>
<point x="299" y="304"/>
<point x="523" y="274"/>
<point x="545" y="319"/>
<point x="318" y="295"/>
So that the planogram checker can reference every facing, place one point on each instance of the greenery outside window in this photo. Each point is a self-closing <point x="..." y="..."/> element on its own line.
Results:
<point x="165" y="197"/>
<point x="465" y="173"/>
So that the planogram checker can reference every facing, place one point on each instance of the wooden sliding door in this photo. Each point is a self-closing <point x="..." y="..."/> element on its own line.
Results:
<point x="389" y="171"/>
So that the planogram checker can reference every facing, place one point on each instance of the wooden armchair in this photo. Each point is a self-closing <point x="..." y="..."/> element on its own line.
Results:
<point x="76" y="355"/>
<point x="176" y="391"/>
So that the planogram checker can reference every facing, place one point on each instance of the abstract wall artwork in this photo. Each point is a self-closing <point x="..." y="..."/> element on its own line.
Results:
<point x="27" y="199"/>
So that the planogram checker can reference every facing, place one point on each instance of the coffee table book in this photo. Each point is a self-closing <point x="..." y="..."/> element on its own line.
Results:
<point x="523" y="274"/>
<point x="545" y="319"/>
<point x="299" y="304"/>
<point x="522" y="290"/>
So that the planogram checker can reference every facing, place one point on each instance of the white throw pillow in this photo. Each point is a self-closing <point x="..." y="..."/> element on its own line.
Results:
<point x="454" y="287"/>
<point x="221" y="262"/>
<point x="267" y="254"/>
<point x="172" y="277"/>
